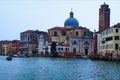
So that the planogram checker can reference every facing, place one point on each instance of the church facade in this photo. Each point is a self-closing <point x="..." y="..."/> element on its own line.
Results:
<point x="76" y="38"/>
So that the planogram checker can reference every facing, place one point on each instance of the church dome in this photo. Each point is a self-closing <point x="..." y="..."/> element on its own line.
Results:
<point x="71" y="21"/>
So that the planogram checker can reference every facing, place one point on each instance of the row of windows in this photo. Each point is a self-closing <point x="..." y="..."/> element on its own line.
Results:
<point x="29" y="38"/>
<point x="109" y="32"/>
<point x="110" y="46"/>
<point x="59" y="49"/>
<point x="111" y="38"/>
<point x="63" y="33"/>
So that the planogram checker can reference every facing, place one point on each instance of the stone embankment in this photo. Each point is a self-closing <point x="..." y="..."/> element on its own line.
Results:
<point x="106" y="57"/>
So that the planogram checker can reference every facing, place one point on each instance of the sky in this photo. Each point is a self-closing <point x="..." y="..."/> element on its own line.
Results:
<point x="17" y="16"/>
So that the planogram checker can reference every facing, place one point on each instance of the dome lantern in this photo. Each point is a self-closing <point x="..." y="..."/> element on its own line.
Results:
<point x="71" y="14"/>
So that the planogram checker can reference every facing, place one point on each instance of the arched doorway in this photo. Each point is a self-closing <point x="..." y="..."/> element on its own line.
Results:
<point x="86" y="44"/>
<point x="86" y="50"/>
<point x="74" y="50"/>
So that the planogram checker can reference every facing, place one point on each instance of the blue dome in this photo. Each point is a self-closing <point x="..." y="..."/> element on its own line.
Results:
<point x="71" y="21"/>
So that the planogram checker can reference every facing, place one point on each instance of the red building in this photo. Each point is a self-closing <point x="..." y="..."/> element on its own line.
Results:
<point x="15" y="48"/>
<point x="95" y="42"/>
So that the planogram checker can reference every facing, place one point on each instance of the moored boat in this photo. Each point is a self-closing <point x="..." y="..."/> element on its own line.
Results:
<point x="9" y="58"/>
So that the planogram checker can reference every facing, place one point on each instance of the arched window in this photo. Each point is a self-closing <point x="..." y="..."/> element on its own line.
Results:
<point x="71" y="33"/>
<point x="66" y="49"/>
<point x="61" y="49"/>
<point x="55" y="33"/>
<point x="63" y="33"/>
<point x="85" y="33"/>
<point x="77" y="33"/>
<point x="74" y="42"/>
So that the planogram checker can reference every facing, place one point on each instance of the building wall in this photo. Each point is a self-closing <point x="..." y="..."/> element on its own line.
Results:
<point x="7" y="48"/>
<point x="110" y="40"/>
<point x="79" y="34"/>
<point x="29" y="41"/>
<point x="80" y="45"/>
<point x="69" y="32"/>
<point x="96" y="43"/>
<point x="106" y="45"/>
<point x="15" y="47"/>
<point x="97" y="46"/>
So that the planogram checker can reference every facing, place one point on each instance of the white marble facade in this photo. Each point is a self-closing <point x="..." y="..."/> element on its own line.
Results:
<point x="81" y="46"/>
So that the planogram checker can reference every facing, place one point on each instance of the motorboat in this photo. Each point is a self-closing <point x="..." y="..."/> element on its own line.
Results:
<point x="9" y="58"/>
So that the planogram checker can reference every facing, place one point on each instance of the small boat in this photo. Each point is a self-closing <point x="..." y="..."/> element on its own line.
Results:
<point x="9" y="58"/>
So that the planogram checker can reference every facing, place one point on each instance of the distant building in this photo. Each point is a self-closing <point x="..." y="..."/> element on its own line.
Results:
<point x="104" y="17"/>
<point x="29" y="41"/>
<point x="77" y="39"/>
<point x="5" y="47"/>
<point x="9" y="47"/>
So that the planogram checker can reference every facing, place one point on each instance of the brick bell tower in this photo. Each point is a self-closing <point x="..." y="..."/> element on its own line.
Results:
<point x="104" y="17"/>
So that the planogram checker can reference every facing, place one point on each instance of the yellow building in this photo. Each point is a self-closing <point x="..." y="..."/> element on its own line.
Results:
<point x="7" y="48"/>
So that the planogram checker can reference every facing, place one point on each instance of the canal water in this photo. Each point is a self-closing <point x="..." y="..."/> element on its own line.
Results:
<point x="44" y="68"/>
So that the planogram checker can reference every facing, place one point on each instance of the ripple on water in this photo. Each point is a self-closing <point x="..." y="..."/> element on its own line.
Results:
<point x="38" y="68"/>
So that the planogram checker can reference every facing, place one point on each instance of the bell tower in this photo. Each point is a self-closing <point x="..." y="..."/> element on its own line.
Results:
<point x="104" y="17"/>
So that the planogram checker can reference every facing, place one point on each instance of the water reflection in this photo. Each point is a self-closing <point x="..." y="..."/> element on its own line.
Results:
<point x="38" y="68"/>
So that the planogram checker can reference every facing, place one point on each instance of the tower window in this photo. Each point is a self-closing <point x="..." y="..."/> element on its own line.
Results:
<point x="102" y="11"/>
